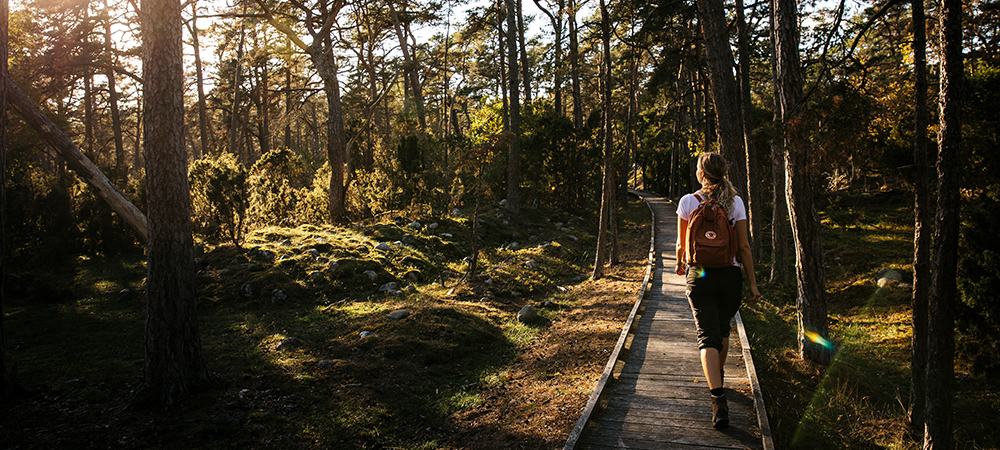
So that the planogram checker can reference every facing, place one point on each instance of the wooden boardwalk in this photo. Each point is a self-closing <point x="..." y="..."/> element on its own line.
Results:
<point x="653" y="393"/>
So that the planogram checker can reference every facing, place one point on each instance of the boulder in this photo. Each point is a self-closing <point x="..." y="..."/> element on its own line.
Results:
<point x="371" y="274"/>
<point x="399" y="315"/>
<point x="383" y="246"/>
<point x="886" y="276"/>
<point x="527" y="314"/>
<point x="414" y="225"/>
<point x="278" y="295"/>
<point x="246" y="290"/>
<point x="289" y="344"/>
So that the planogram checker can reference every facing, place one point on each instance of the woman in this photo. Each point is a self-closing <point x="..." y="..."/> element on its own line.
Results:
<point x="715" y="294"/>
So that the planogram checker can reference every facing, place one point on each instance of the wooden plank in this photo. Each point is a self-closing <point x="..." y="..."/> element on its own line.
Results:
<point x="727" y="438"/>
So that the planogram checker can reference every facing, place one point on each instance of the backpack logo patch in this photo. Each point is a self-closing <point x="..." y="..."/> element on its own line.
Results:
<point x="710" y="234"/>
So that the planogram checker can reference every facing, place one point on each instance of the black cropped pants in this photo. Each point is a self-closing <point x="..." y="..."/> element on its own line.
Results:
<point x="715" y="295"/>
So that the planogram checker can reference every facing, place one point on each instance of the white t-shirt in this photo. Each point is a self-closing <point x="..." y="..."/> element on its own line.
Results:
<point x="689" y="203"/>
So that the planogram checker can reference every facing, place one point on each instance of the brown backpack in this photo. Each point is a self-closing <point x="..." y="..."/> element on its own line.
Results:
<point x="711" y="241"/>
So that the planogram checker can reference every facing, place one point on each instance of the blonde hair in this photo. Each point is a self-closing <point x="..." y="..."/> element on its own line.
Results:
<point x="715" y="182"/>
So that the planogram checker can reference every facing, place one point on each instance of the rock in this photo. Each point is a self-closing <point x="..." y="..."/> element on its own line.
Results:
<point x="285" y="258"/>
<point x="367" y="334"/>
<point x="399" y="315"/>
<point x="326" y="364"/>
<point x="527" y="314"/>
<point x="456" y="212"/>
<point x="414" y="225"/>
<point x="433" y="226"/>
<point x="549" y="304"/>
<point x="412" y="275"/>
<point x="223" y="272"/>
<point x="513" y="246"/>
<point x="316" y="275"/>
<point x="446" y="235"/>
<point x="278" y="295"/>
<point x="371" y="275"/>
<point x="384" y="246"/>
<point x="333" y="267"/>
<point x="530" y="264"/>
<point x="515" y="294"/>
<point x="322" y="260"/>
<point x="285" y="243"/>
<point x="246" y="290"/>
<point x="313" y="253"/>
<point x="411" y="289"/>
<point x="289" y="343"/>
<point x="390" y="286"/>
<point x="503" y="202"/>
<point x="886" y="276"/>
<point x="129" y="294"/>
<point x="409" y="240"/>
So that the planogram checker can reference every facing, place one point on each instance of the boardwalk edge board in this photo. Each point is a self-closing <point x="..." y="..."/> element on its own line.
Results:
<point x="595" y="398"/>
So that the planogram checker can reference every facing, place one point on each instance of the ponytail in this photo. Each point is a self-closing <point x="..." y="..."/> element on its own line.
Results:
<point x="716" y="184"/>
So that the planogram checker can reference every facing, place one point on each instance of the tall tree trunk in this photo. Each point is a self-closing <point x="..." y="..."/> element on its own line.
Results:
<point x="411" y="68"/>
<point x="753" y="189"/>
<point x="88" y="116"/>
<point x="922" y="221"/>
<point x="574" y="62"/>
<point x="287" y="138"/>
<point x="779" y="216"/>
<point x="174" y="365"/>
<point x="938" y="428"/>
<point x="811" y="301"/>
<point x="556" y="20"/>
<point x="607" y="216"/>
<point x="76" y="160"/>
<point x="203" y="125"/>
<point x="121" y="173"/>
<point x="4" y="17"/>
<point x="725" y="94"/>
<point x="235" y="124"/>
<point x="514" y="153"/>
<point x="525" y="67"/>
<point x="265" y="109"/>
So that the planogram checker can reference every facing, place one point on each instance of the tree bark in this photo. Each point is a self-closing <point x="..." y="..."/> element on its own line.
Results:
<point x="556" y="20"/>
<point x="174" y="365"/>
<point x="4" y="75"/>
<point x="753" y="190"/>
<point x="514" y="152"/>
<point x="525" y="67"/>
<point x="121" y="173"/>
<point x="725" y="95"/>
<point x="608" y="190"/>
<point x="938" y="428"/>
<point x="574" y="62"/>
<point x="779" y="215"/>
<point x="203" y="125"/>
<point x="922" y="219"/>
<point x="811" y="301"/>
<point x="411" y="68"/>
<point x="235" y="124"/>
<point x="76" y="160"/>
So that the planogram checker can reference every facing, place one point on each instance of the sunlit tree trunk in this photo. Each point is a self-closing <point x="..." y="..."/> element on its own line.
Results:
<point x="235" y="125"/>
<point x="607" y="216"/>
<point x="938" y="426"/>
<point x="514" y="154"/>
<point x="557" y="28"/>
<point x="525" y="67"/>
<point x="203" y="125"/>
<point x="174" y="365"/>
<point x="410" y="68"/>
<point x="725" y="94"/>
<point x="811" y="301"/>
<point x="922" y="221"/>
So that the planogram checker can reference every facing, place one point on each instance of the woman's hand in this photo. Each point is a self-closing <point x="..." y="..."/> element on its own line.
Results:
<point x="754" y="294"/>
<point x="680" y="270"/>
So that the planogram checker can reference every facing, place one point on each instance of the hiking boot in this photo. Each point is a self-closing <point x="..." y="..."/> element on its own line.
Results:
<point x="720" y="412"/>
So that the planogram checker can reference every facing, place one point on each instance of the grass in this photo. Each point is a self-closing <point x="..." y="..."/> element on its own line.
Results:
<point x="859" y="401"/>
<point x="298" y="373"/>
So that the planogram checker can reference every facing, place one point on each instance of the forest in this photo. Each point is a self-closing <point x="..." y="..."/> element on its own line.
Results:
<point x="206" y="203"/>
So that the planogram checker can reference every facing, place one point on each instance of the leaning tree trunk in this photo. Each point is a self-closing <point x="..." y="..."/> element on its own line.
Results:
<point x="76" y="160"/>
<point x="725" y="94"/>
<point x="944" y="290"/>
<point x="514" y="155"/>
<point x="922" y="219"/>
<point x="811" y="301"/>
<point x="174" y="365"/>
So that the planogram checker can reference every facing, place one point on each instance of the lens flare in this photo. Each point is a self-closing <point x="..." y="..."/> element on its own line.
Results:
<point x="815" y="337"/>
<point x="699" y="272"/>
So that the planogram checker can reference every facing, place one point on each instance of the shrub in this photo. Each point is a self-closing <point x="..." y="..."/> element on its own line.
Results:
<point x="274" y="185"/>
<point x="219" y="198"/>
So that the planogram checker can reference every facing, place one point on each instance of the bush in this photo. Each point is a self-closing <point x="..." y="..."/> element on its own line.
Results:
<point x="274" y="185"/>
<point x="219" y="198"/>
<point x="978" y="315"/>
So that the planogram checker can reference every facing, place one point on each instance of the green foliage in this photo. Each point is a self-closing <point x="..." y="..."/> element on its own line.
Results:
<point x="978" y="314"/>
<point x="560" y="168"/>
<point x="274" y="185"/>
<point x="219" y="199"/>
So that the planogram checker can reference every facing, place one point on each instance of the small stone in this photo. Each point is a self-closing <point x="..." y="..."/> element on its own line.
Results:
<point x="433" y="225"/>
<point x="285" y="243"/>
<point x="367" y="334"/>
<point x="414" y="225"/>
<point x="515" y="294"/>
<point x="371" y="275"/>
<point x="886" y="276"/>
<point x="390" y="286"/>
<point x="223" y="272"/>
<point x="278" y="295"/>
<point x="333" y="266"/>
<point x="513" y="246"/>
<point x="503" y="202"/>
<point x="531" y="264"/>
<point x="316" y="275"/>
<point x="527" y="314"/>
<point x="384" y="246"/>
<point x="399" y="315"/>
<point x="409" y="240"/>
<point x="326" y="364"/>
<point x="446" y="235"/>
<point x="289" y="344"/>
<point x="411" y="289"/>
<point x="456" y="212"/>
<point x="246" y="290"/>
<point x="313" y="253"/>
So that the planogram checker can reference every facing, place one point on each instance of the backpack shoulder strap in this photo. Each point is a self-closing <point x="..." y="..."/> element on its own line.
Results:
<point x="700" y="200"/>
